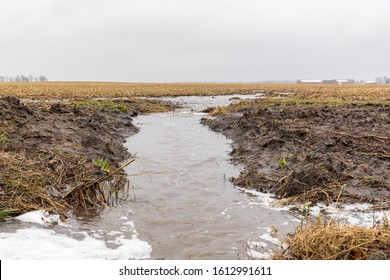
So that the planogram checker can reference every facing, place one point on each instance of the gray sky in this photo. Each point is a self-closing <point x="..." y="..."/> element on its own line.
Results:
<point x="195" y="40"/>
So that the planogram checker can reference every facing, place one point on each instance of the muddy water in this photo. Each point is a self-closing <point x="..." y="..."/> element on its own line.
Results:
<point x="189" y="209"/>
<point x="181" y="204"/>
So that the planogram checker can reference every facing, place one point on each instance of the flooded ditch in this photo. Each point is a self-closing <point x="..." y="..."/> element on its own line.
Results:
<point x="180" y="202"/>
<point x="196" y="211"/>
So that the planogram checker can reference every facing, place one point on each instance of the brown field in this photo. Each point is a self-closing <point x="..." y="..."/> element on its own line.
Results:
<point x="378" y="93"/>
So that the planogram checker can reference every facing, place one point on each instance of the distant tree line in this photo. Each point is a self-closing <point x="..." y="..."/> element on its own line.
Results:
<point x="23" y="78"/>
<point x="383" y="80"/>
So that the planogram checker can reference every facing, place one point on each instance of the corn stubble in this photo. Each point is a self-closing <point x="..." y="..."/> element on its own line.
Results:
<point x="59" y="90"/>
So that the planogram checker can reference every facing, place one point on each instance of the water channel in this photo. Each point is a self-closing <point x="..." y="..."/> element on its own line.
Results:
<point x="181" y="203"/>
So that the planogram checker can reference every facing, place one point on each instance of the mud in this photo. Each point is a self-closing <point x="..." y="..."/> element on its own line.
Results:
<point x="50" y="152"/>
<point x="311" y="152"/>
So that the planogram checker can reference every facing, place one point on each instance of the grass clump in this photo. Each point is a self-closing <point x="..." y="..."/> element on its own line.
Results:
<point x="5" y="214"/>
<point x="215" y="111"/>
<point x="147" y="106"/>
<point x="3" y="138"/>
<point x="282" y="162"/>
<point x="115" y="106"/>
<point x="103" y="164"/>
<point x="330" y="240"/>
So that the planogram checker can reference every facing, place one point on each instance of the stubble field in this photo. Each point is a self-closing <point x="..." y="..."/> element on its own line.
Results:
<point x="60" y="90"/>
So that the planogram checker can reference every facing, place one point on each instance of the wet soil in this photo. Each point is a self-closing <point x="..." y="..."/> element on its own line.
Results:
<point x="54" y="156"/>
<point x="312" y="152"/>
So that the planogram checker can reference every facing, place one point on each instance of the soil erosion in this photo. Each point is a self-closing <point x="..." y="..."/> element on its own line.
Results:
<point x="58" y="156"/>
<point x="311" y="152"/>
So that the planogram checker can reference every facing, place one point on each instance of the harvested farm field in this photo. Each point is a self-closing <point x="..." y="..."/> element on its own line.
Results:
<point x="331" y="93"/>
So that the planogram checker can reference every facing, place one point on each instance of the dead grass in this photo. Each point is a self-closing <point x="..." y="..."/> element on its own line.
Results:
<point x="214" y="111"/>
<point x="329" y="240"/>
<point x="23" y="186"/>
<point x="55" y="181"/>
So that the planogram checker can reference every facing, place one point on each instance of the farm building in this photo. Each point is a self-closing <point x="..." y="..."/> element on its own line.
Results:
<point x="369" y="82"/>
<point x="309" y="82"/>
<point x="341" y="82"/>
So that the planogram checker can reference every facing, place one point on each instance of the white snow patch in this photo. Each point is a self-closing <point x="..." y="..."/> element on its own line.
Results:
<point x="42" y="243"/>
<point x="35" y="217"/>
<point x="39" y="242"/>
<point x="256" y="250"/>
<point x="41" y="217"/>
<point x="357" y="207"/>
<point x="355" y="214"/>
<point x="269" y="238"/>
<point x="264" y="199"/>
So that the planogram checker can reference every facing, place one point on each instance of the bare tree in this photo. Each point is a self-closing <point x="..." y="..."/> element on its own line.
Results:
<point x="42" y="79"/>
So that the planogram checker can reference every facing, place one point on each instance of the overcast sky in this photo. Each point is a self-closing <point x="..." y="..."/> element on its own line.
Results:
<point x="195" y="40"/>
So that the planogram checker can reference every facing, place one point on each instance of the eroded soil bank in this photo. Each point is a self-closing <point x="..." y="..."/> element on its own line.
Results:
<point x="56" y="156"/>
<point x="311" y="152"/>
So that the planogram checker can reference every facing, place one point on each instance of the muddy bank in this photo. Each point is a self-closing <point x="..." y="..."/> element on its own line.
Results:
<point x="58" y="156"/>
<point x="311" y="152"/>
